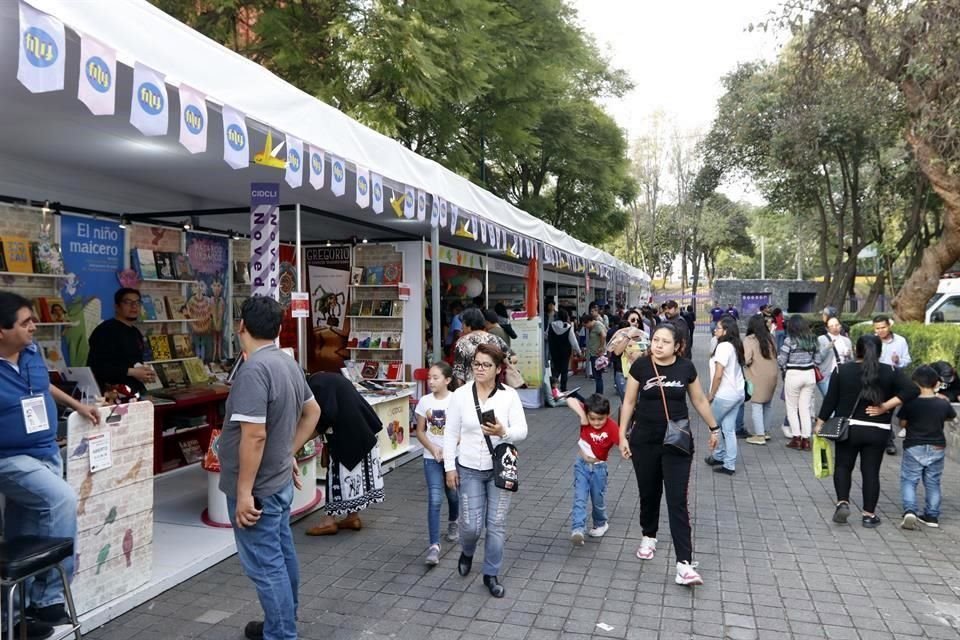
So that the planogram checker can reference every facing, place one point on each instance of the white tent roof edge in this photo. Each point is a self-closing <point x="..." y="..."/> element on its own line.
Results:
<point x="225" y="77"/>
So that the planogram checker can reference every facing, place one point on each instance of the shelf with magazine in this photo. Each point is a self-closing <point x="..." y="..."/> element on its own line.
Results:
<point x="375" y="311"/>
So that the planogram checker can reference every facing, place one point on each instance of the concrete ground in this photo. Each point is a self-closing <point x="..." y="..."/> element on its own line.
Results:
<point x="774" y="564"/>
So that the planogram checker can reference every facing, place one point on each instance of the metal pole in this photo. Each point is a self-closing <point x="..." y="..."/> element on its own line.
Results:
<point x="301" y="322"/>
<point x="799" y="267"/>
<point x="435" y="292"/>
<point x="763" y="258"/>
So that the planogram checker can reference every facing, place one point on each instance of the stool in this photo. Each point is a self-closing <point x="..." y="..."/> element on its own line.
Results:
<point x="25" y="557"/>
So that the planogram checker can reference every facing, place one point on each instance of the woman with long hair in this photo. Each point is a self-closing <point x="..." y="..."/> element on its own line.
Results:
<point x="866" y="391"/>
<point x="798" y="358"/>
<point x="726" y="392"/>
<point x="483" y="505"/>
<point x="474" y="334"/>
<point x="760" y="370"/>
<point x="629" y="340"/>
<point x="658" y="387"/>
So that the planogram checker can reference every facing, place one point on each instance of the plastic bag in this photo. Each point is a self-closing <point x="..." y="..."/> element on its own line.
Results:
<point x="822" y="457"/>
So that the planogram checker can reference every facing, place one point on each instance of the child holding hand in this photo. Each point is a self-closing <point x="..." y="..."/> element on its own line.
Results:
<point x="598" y="434"/>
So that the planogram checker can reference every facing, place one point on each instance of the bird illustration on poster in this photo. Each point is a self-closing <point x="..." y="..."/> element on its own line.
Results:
<point x="127" y="545"/>
<point x="102" y="556"/>
<point x="85" y="490"/>
<point x="111" y="517"/>
<point x="132" y="474"/>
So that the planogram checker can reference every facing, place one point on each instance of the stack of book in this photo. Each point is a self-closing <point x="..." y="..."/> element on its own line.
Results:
<point x="159" y="265"/>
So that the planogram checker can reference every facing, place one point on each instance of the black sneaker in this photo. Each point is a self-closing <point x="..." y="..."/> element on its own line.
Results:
<point x="710" y="460"/>
<point x="891" y="449"/>
<point x="742" y="433"/>
<point x="724" y="470"/>
<point x="55" y="614"/>
<point x="254" y="630"/>
<point x="36" y="630"/>
<point x="842" y="513"/>
<point x="871" y="522"/>
<point x="929" y="521"/>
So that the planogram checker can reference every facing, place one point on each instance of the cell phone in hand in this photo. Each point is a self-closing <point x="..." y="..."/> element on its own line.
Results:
<point x="488" y="417"/>
<point x="257" y="504"/>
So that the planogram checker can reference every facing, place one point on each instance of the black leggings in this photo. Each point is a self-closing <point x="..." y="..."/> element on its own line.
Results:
<point x="560" y="366"/>
<point x="869" y="443"/>
<point x="656" y="470"/>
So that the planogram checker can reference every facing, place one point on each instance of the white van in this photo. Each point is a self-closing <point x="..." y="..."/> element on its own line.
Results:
<point x="945" y="305"/>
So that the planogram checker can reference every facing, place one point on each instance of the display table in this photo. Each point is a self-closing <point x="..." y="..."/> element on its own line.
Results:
<point x="197" y="409"/>
<point x="394" y="412"/>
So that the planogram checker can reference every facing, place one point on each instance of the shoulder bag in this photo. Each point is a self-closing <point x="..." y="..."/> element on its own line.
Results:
<point x="504" y="455"/>
<point x="678" y="438"/>
<point x="837" y="428"/>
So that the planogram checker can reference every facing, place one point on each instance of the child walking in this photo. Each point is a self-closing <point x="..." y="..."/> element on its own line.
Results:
<point x="431" y="414"/>
<point x="598" y="433"/>
<point x="923" y="449"/>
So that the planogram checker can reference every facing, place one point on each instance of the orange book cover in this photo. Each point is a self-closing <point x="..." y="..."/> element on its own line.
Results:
<point x="16" y="253"/>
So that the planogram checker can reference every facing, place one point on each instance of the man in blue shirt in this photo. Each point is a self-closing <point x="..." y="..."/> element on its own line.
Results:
<point x="39" y="501"/>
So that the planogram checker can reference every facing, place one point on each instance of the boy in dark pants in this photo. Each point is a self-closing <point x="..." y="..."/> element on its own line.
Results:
<point x="598" y="434"/>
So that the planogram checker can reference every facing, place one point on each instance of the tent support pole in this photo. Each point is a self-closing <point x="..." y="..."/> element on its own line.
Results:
<point x="435" y="293"/>
<point x="301" y="322"/>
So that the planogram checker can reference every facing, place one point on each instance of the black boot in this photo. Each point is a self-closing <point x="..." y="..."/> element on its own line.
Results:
<point x="464" y="564"/>
<point x="496" y="589"/>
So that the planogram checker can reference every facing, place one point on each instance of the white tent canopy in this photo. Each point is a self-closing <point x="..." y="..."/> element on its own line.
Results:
<point x="141" y="33"/>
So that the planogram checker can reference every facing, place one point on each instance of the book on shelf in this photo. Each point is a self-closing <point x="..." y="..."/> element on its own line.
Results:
<point x="176" y="307"/>
<point x="143" y="262"/>
<point x="148" y="310"/>
<point x="182" y="345"/>
<point x="393" y="341"/>
<point x="50" y="309"/>
<point x="196" y="371"/>
<point x="394" y="369"/>
<point x="166" y="270"/>
<point x="160" y="346"/>
<point x="241" y="272"/>
<point x="353" y="340"/>
<point x="382" y="308"/>
<point x="356" y="275"/>
<point x="375" y="339"/>
<point x="16" y="254"/>
<point x="355" y="307"/>
<point x="366" y="308"/>
<point x="173" y="374"/>
<point x="392" y="272"/>
<point x="47" y="258"/>
<point x="157" y="383"/>
<point x="373" y="275"/>
<point x="191" y="450"/>
<point x="396" y="308"/>
<point x="181" y="264"/>
<point x="363" y="339"/>
<point x="370" y="369"/>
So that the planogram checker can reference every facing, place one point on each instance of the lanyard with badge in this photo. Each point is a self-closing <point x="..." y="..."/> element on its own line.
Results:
<point x="34" y="408"/>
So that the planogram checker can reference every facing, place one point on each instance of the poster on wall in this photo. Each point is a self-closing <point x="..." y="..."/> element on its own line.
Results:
<point x="92" y="257"/>
<point x="207" y="308"/>
<point x="750" y="303"/>
<point x="528" y="345"/>
<point x="328" y="271"/>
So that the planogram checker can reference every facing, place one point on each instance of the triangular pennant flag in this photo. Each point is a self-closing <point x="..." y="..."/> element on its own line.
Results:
<point x="421" y="206"/>
<point x="463" y="228"/>
<point x="43" y="51"/>
<point x="409" y="203"/>
<point x="377" y="182"/>
<point x="294" y="172"/>
<point x="235" y="140"/>
<point x="443" y="213"/>
<point x="149" y="106"/>
<point x="193" y="120"/>
<point x="363" y="187"/>
<point x="338" y="176"/>
<point x="434" y="211"/>
<point x="316" y="167"/>
<point x="97" y="87"/>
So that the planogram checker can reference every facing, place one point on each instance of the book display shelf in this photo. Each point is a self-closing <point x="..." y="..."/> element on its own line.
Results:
<point x="376" y="314"/>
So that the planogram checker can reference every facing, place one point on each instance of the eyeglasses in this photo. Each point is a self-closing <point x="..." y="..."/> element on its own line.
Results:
<point x="131" y="303"/>
<point x="482" y="365"/>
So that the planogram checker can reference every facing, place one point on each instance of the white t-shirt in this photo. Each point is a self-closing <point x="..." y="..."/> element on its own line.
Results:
<point x="731" y="384"/>
<point x="434" y="410"/>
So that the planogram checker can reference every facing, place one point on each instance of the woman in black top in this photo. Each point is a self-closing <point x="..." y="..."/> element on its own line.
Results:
<point x="656" y="468"/>
<point x="868" y="392"/>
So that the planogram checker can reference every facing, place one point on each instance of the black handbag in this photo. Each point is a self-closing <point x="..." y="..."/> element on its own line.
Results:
<point x="678" y="438"/>
<point x="505" y="474"/>
<point x="837" y="428"/>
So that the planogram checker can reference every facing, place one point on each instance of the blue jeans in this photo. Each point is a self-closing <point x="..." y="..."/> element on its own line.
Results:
<point x="482" y="504"/>
<point x="760" y="411"/>
<point x="589" y="481"/>
<point x="269" y="559"/>
<point x="725" y="411"/>
<point x="597" y="375"/>
<point x="436" y="486"/>
<point x="620" y="382"/>
<point x="39" y="503"/>
<point x="922" y="462"/>
<point x="739" y="421"/>
<point x="824" y="384"/>
<point x="781" y="337"/>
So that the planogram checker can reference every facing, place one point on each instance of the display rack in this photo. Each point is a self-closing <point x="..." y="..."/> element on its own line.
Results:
<point x="376" y="313"/>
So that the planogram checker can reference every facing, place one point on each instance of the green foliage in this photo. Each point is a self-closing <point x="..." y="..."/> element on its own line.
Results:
<point x="928" y="342"/>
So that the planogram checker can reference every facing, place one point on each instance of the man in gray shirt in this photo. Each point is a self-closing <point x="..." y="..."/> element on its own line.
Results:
<point x="270" y="415"/>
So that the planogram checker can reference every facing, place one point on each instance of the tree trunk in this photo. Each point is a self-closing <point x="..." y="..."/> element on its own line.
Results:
<point x="876" y="290"/>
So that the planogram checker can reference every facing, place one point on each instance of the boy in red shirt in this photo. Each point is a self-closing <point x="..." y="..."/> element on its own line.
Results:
<point x="598" y="434"/>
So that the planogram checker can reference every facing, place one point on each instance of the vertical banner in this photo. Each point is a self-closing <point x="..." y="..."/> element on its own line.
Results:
<point x="92" y="256"/>
<point x="265" y="239"/>
<point x="377" y="183"/>
<point x="328" y="277"/>
<point x="443" y="213"/>
<point x="421" y="205"/>
<point x="434" y="211"/>
<point x="363" y="187"/>
<point x="207" y="305"/>
<point x="43" y="51"/>
<point x="149" y="108"/>
<point x="316" y="168"/>
<point x="338" y="177"/>
<point x="193" y="120"/>
<point x="294" y="171"/>
<point x="235" y="151"/>
<point x="97" y="87"/>
<point x="409" y="203"/>
<point x="454" y="215"/>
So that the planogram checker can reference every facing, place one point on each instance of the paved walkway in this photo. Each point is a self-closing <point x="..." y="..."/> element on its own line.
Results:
<point x="774" y="564"/>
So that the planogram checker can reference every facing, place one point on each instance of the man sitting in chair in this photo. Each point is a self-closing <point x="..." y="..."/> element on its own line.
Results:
<point x="38" y="500"/>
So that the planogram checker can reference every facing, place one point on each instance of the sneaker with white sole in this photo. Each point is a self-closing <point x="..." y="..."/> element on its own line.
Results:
<point x="597" y="532"/>
<point x="433" y="555"/>
<point x="453" y="531"/>
<point x="687" y="574"/>
<point x="576" y="538"/>
<point x="929" y="521"/>
<point x="647" y="548"/>
<point x="909" y="520"/>
<point x="756" y="440"/>
<point x="902" y="433"/>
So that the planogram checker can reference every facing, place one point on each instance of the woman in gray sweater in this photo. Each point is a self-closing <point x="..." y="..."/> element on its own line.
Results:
<point x="798" y="360"/>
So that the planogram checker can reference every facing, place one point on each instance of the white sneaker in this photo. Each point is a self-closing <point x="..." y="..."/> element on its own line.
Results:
<point x="687" y="574"/>
<point x="902" y="433"/>
<point x="577" y="538"/>
<point x="648" y="547"/>
<point x="597" y="532"/>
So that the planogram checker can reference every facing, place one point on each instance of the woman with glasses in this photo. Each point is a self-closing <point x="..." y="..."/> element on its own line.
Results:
<point x="117" y="346"/>
<point x="626" y="344"/>
<point x="482" y="503"/>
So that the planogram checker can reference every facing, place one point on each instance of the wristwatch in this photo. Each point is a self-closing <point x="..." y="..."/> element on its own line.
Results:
<point x="712" y="429"/>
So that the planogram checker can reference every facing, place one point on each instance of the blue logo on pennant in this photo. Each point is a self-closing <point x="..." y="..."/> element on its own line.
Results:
<point x="338" y="171"/>
<point x="193" y="119"/>
<point x="236" y="137"/>
<point x="421" y="202"/>
<point x="316" y="163"/>
<point x="40" y="49"/>
<point x="98" y="74"/>
<point x="150" y="98"/>
<point x="362" y="185"/>
<point x="377" y="193"/>
<point x="293" y="160"/>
